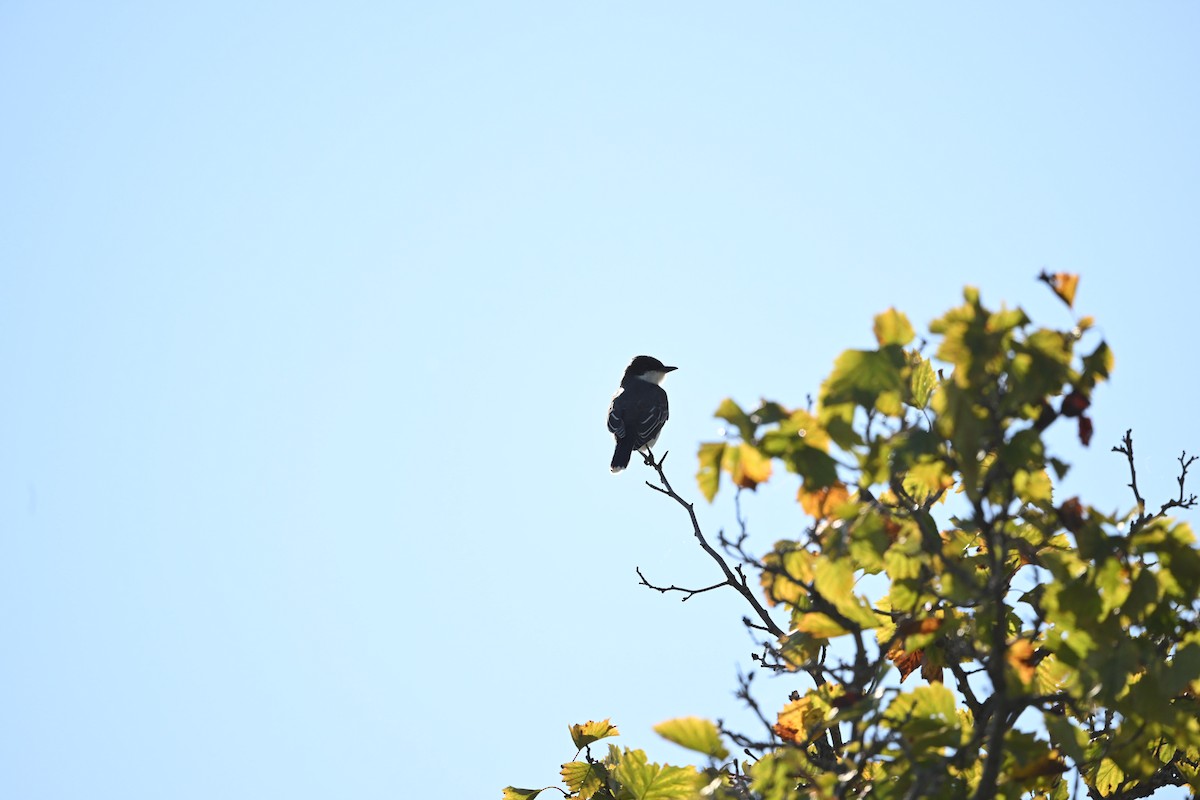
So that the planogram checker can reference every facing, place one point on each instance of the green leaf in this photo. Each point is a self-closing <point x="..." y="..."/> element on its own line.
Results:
<point x="1097" y="366"/>
<point x="513" y="793"/>
<point x="922" y="381"/>
<point x="769" y="413"/>
<point x="861" y="376"/>
<point x="1033" y="487"/>
<point x="1108" y="777"/>
<point x="817" y="467"/>
<point x="1144" y="592"/>
<point x="1006" y="320"/>
<point x="927" y="717"/>
<point x="1113" y="583"/>
<point x="1067" y="737"/>
<point x="582" y="778"/>
<point x="654" y="782"/>
<point x="588" y="732"/>
<point x="868" y="542"/>
<point x="798" y="649"/>
<point x="1060" y="467"/>
<point x="893" y="327"/>
<point x="732" y="413"/>
<point x="694" y="733"/>
<point x="833" y="578"/>
<point x="709" y="475"/>
<point x="1184" y="667"/>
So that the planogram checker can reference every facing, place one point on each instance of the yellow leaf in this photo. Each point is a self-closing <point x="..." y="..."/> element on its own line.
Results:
<point x="799" y="719"/>
<point x="694" y="733"/>
<point x="819" y="626"/>
<point x="588" y="732"/>
<point x="893" y="327"/>
<point x="747" y="466"/>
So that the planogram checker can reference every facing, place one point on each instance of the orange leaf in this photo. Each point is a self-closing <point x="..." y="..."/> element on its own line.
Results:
<point x="911" y="626"/>
<point x="904" y="661"/>
<point x="1064" y="285"/>
<point x="820" y="503"/>
<point x="1021" y="658"/>
<point x="792" y="725"/>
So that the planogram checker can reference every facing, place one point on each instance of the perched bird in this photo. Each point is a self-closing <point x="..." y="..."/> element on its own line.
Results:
<point x="638" y="410"/>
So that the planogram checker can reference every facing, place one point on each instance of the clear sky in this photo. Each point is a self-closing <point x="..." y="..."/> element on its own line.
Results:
<point x="310" y="314"/>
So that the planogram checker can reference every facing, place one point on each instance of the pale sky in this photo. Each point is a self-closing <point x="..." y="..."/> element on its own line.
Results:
<point x="310" y="314"/>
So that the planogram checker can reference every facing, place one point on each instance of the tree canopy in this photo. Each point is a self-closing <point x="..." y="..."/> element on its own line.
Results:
<point x="955" y="629"/>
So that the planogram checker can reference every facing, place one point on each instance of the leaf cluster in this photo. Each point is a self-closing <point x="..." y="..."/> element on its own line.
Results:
<point x="1057" y="646"/>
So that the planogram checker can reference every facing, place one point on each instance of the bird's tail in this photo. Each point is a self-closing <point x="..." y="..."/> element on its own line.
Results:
<point x="621" y="456"/>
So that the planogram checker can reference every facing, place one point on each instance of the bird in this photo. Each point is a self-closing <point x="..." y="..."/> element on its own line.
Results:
<point x="638" y="410"/>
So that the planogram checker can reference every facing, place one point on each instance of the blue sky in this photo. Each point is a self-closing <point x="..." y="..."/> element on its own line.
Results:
<point x="310" y="314"/>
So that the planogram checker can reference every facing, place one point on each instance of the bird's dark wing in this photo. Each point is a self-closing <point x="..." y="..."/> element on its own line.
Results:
<point x="616" y="415"/>
<point x="649" y="422"/>
<point x="638" y="414"/>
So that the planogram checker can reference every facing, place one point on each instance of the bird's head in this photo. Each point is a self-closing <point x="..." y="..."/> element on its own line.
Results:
<point x="647" y="368"/>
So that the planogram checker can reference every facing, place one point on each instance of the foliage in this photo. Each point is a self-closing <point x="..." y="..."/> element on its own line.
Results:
<point x="1057" y="646"/>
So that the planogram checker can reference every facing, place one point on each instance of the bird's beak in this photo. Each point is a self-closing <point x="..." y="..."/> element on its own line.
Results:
<point x="670" y="369"/>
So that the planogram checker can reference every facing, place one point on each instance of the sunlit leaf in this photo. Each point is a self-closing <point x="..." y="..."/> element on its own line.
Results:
<point x="732" y="413"/>
<point x="823" y="502"/>
<point x="582" y="777"/>
<point x="709" y="476"/>
<point x="833" y="578"/>
<point x="819" y="626"/>
<point x="785" y="574"/>
<point x="746" y="465"/>
<point x="798" y="649"/>
<point x="1020" y="657"/>
<point x="694" y="733"/>
<point x="922" y="381"/>
<point x="861" y="376"/>
<point x="1006" y="319"/>
<point x="904" y="660"/>
<point x="800" y="718"/>
<point x="927" y="717"/>
<point x="1033" y="486"/>
<point x="893" y="328"/>
<point x="647" y="781"/>
<point x="513" y="793"/>
<point x="1108" y="776"/>
<point x="590" y="731"/>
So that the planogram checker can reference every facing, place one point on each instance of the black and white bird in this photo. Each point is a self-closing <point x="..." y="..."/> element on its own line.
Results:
<point x="638" y="410"/>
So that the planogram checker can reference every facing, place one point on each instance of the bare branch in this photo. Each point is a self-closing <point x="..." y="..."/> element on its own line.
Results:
<point x="735" y="579"/>
<point x="1183" y="501"/>
<point x="688" y="593"/>
<point x="1126" y="448"/>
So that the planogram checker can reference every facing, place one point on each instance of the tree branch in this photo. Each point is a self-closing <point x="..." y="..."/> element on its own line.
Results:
<point x="688" y="593"/>
<point x="736" y="580"/>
